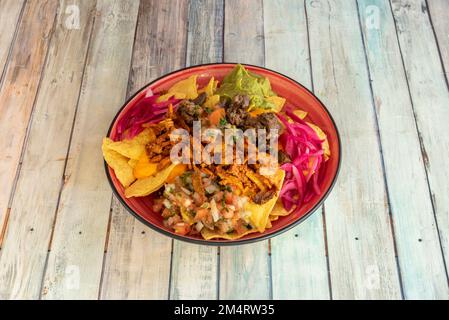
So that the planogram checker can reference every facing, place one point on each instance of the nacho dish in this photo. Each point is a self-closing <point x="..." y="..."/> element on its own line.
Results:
<point x="223" y="195"/>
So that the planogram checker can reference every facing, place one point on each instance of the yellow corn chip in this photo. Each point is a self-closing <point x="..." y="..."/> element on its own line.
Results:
<point x="210" y="88"/>
<point x="118" y="163"/>
<point x="320" y="133"/>
<point x="185" y="89"/>
<point x="279" y="210"/>
<point x="261" y="212"/>
<point x="133" y="148"/>
<point x="300" y="113"/>
<point x="278" y="102"/>
<point x="132" y="162"/>
<point x="211" y="101"/>
<point x="146" y="186"/>
<point x="212" y="234"/>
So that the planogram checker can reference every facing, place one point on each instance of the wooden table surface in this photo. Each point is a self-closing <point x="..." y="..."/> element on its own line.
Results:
<point x="381" y="67"/>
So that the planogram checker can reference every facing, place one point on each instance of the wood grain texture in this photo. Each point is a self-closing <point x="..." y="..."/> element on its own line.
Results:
<point x="244" y="270"/>
<point x="419" y="253"/>
<point x="76" y="257"/>
<point x="360" y="243"/>
<point x="9" y="19"/>
<point x="299" y="253"/>
<point x="137" y="264"/>
<point x="439" y="15"/>
<point x="430" y="98"/>
<point x="194" y="267"/>
<point x="25" y="246"/>
<point x="19" y="88"/>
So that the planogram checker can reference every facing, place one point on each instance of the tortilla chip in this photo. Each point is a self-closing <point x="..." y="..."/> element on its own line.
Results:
<point x="260" y="213"/>
<point x="134" y="148"/>
<point x="273" y="218"/>
<point x="118" y="163"/>
<point x="210" y="88"/>
<point x="277" y="101"/>
<point x="320" y="133"/>
<point x="167" y="96"/>
<point x="146" y="186"/>
<point x="185" y="89"/>
<point x="211" y="101"/>
<point x="300" y="113"/>
<point x="133" y="162"/>
<point x="212" y="234"/>
<point x="279" y="210"/>
<point x="269" y="225"/>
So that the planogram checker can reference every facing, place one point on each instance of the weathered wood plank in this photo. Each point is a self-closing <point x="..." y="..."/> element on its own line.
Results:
<point x="9" y="19"/>
<point x="244" y="270"/>
<point x="360" y="243"/>
<point x="19" y="88"/>
<point x="419" y="252"/>
<point x="137" y="264"/>
<point x="76" y="257"/>
<point x="299" y="267"/>
<point x="439" y="15"/>
<point x="194" y="267"/>
<point x="430" y="98"/>
<point x="25" y="246"/>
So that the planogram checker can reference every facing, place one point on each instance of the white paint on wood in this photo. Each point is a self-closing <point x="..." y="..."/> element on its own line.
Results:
<point x="25" y="246"/>
<point x="419" y="253"/>
<point x="137" y="266"/>
<point x="19" y="88"/>
<point x="76" y="257"/>
<point x="299" y="267"/>
<point x="439" y="14"/>
<point x="361" y="251"/>
<point x="9" y="19"/>
<point x="430" y="98"/>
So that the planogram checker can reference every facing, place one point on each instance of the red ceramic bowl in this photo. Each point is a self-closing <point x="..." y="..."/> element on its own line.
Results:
<point x="295" y="93"/>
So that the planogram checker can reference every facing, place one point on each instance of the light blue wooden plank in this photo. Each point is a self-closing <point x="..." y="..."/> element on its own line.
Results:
<point x="419" y="253"/>
<point x="360" y="243"/>
<point x="244" y="270"/>
<point x="430" y="98"/>
<point x="75" y="262"/>
<point x="439" y="14"/>
<point x="299" y="267"/>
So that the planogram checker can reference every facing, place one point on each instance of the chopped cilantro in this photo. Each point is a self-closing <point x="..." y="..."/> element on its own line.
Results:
<point x="223" y="122"/>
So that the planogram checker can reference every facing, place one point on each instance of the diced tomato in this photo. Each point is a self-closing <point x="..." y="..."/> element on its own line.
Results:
<point x="182" y="228"/>
<point x="201" y="214"/>
<point x="157" y="207"/>
<point x="229" y="197"/>
<point x="218" y="196"/>
<point x="227" y="213"/>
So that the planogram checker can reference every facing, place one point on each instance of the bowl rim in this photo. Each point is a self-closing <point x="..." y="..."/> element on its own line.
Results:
<point x="224" y="242"/>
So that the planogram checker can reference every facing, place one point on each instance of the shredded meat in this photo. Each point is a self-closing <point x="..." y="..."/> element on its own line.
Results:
<point x="267" y="120"/>
<point x="283" y="157"/>
<point x="237" y="113"/>
<point x="188" y="111"/>
<point x="264" y="196"/>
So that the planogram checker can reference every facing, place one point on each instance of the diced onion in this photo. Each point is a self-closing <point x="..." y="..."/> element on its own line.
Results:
<point x="186" y="191"/>
<point x="199" y="226"/>
<point x="214" y="210"/>
<point x="167" y="203"/>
